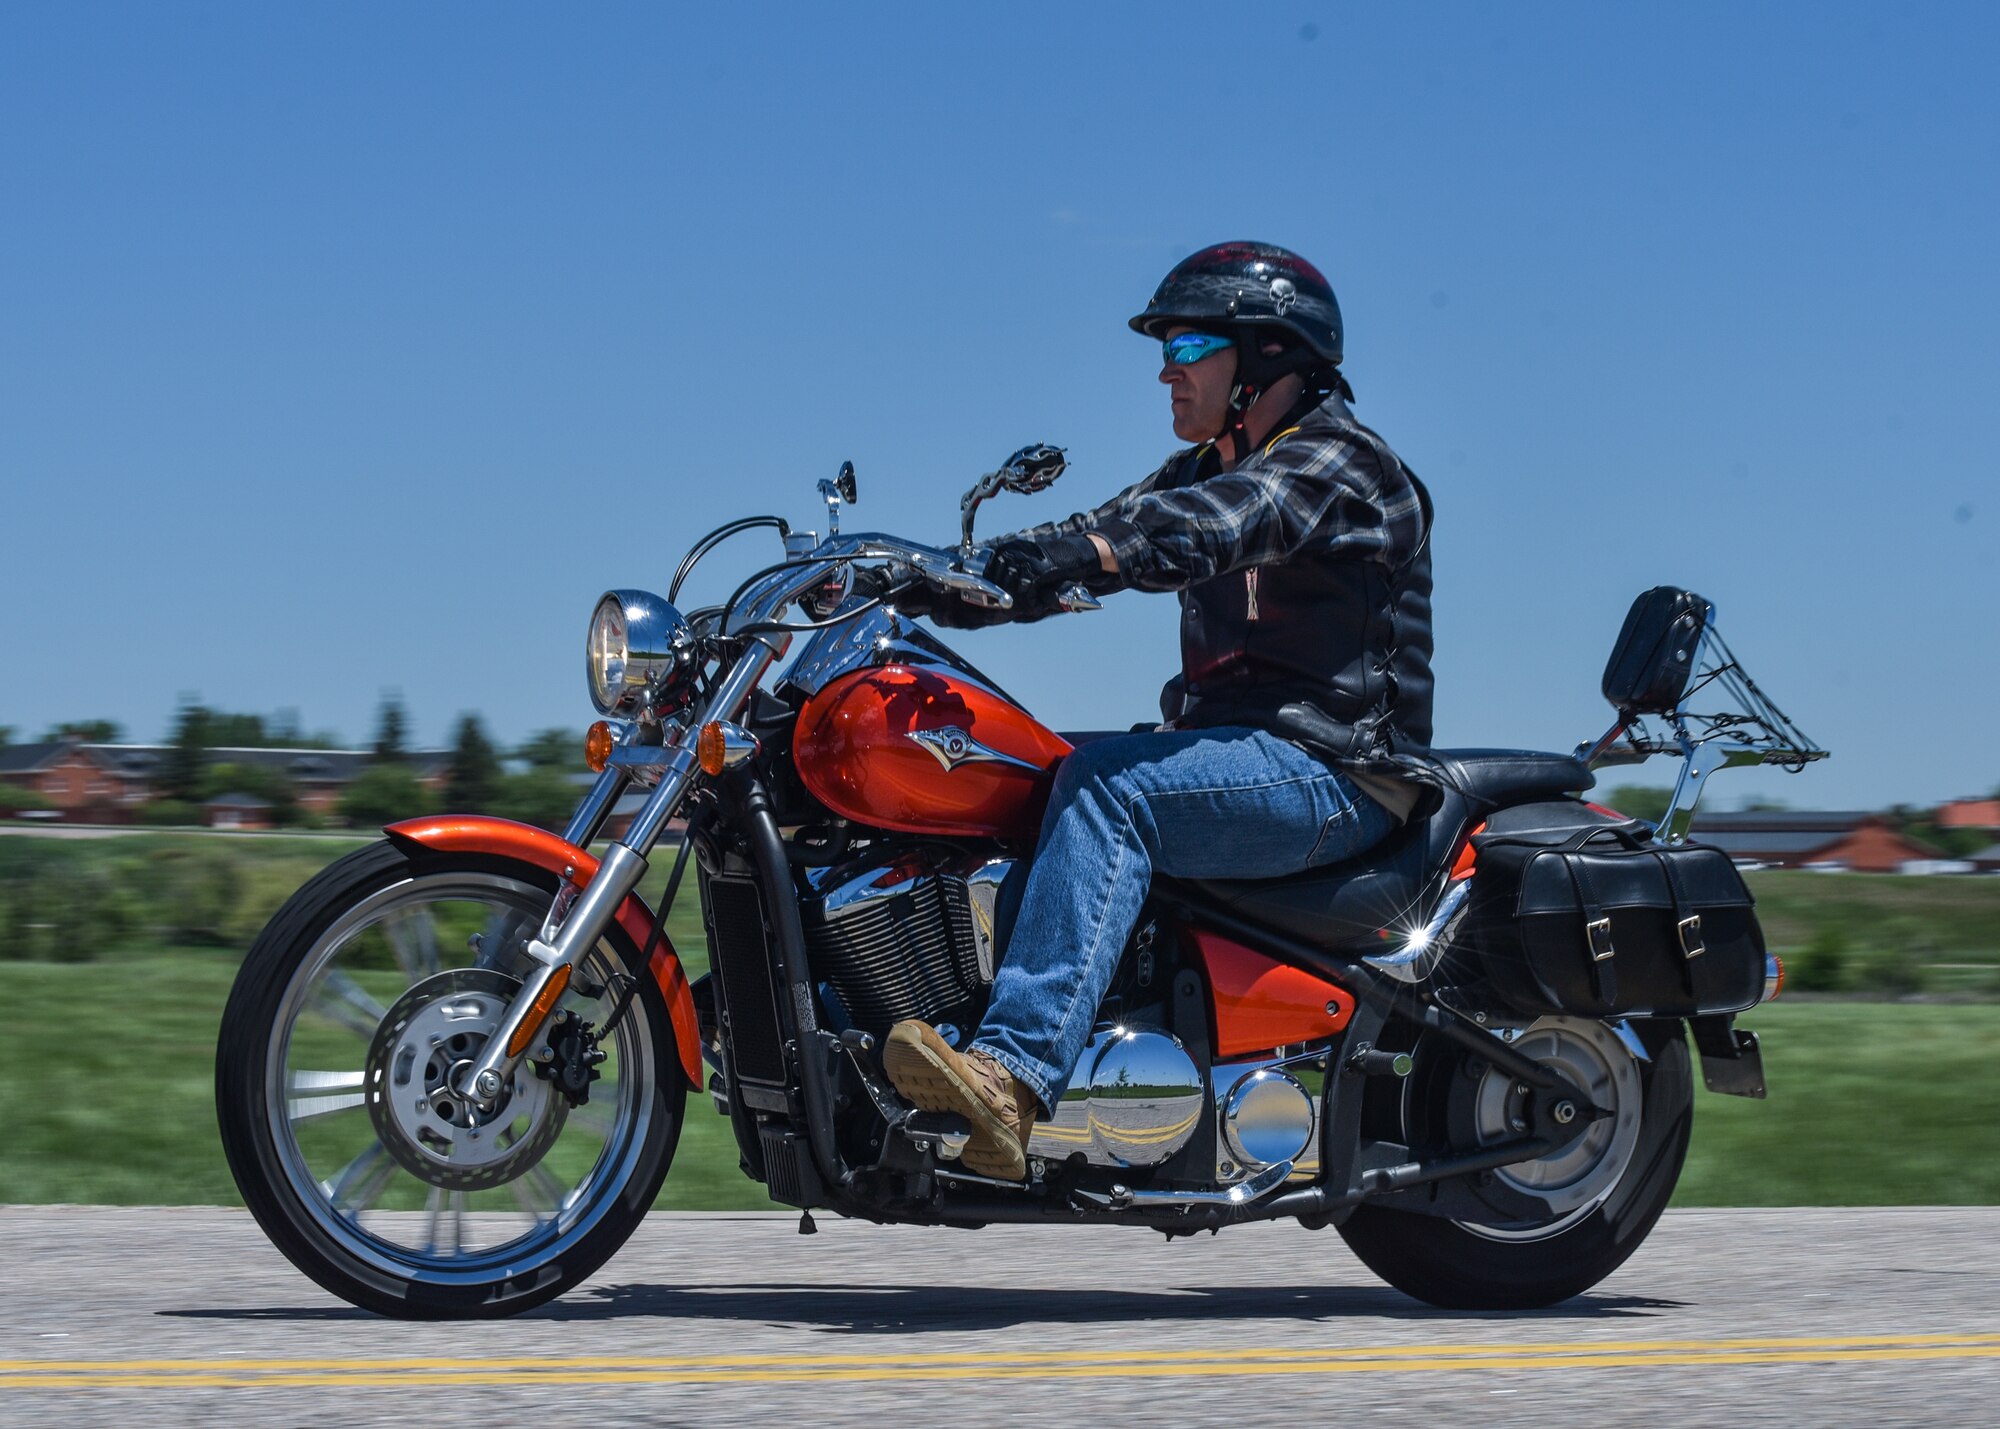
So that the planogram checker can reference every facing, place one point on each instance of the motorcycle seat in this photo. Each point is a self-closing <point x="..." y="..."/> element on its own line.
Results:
<point x="1350" y="904"/>
<point x="1495" y="777"/>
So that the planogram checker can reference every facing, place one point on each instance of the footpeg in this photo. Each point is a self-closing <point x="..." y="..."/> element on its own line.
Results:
<point x="944" y="1132"/>
<point x="1370" y="1061"/>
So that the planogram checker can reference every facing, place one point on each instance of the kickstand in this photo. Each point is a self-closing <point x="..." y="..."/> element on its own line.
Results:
<point x="807" y="1226"/>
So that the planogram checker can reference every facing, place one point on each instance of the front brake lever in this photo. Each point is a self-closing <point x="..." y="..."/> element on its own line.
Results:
<point x="961" y="578"/>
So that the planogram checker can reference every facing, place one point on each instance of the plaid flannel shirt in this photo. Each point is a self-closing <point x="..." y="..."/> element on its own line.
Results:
<point x="1326" y="486"/>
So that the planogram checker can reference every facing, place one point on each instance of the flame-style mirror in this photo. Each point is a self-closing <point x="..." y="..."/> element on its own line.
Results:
<point x="1033" y="468"/>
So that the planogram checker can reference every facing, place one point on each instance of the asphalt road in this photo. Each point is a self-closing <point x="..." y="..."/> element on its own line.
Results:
<point x="1820" y="1317"/>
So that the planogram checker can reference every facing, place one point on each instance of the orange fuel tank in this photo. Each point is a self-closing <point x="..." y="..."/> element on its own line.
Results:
<point x="926" y="751"/>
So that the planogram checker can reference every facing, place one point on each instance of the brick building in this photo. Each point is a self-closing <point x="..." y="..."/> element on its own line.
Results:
<point x="1969" y="814"/>
<point x="1787" y="838"/>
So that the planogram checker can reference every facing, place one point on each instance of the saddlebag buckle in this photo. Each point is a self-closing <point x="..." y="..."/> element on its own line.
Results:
<point x="1599" y="930"/>
<point x="1692" y="945"/>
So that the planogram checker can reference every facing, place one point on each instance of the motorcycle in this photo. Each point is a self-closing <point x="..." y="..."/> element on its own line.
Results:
<point x="454" y="1069"/>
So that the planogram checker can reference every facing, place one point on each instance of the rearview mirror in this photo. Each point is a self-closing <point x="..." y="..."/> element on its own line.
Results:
<point x="1031" y="469"/>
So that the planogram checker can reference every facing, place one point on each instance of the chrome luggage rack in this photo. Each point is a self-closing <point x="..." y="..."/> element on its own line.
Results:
<point x="1754" y="731"/>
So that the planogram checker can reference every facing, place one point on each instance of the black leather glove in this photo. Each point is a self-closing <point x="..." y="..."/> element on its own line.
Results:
<point x="1034" y="573"/>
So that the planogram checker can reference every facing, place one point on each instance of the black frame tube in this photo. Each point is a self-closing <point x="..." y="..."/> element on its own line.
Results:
<point x="758" y="821"/>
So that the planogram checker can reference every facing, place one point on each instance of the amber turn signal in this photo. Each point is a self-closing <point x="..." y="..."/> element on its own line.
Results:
<point x="721" y="745"/>
<point x="711" y="748"/>
<point x="597" y="746"/>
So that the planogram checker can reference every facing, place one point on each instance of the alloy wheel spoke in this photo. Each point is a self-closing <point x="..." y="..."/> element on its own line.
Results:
<point x="445" y="1224"/>
<point x="354" y="1188"/>
<point x="348" y="1003"/>
<point x="592" y="1119"/>
<point x="336" y="1091"/>
<point x="541" y="1195"/>
<point x="412" y="935"/>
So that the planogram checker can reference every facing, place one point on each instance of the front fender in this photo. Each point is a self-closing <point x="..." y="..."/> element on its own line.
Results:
<point x="503" y="838"/>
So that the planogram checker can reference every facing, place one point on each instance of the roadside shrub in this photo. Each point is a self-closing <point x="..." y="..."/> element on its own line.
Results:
<point x="262" y="888"/>
<point x="192" y="890"/>
<point x="382" y="794"/>
<point x="169" y="813"/>
<point x="59" y="909"/>
<point x="16" y="800"/>
<point x="1821" y="965"/>
<point x="1887" y="970"/>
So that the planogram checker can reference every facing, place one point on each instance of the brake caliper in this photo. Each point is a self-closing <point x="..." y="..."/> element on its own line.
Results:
<point x="573" y="1056"/>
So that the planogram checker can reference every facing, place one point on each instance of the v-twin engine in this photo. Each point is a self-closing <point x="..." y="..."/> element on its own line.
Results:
<point x="913" y="935"/>
<point x="907" y="936"/>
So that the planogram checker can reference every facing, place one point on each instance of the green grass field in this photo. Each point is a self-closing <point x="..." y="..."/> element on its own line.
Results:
<point x="120" y="952"/>
<point x="1871" y="1103"/>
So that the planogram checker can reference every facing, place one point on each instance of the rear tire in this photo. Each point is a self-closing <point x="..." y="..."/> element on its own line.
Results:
<point x="371" y="955"/>
<point x="1460" y="1266"/>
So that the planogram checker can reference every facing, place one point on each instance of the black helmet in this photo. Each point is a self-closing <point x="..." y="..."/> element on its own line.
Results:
<point x="1249" y="285"/>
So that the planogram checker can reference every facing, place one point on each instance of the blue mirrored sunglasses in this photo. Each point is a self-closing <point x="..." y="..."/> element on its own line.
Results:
<point x="1193" y="347"/>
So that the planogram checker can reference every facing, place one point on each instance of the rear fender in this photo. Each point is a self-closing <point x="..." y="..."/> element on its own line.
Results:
<point x="503" y="838"/>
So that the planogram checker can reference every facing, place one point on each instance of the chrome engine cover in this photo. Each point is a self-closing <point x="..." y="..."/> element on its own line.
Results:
<point x="1135" y="1100"/>
<point x="1267" y="1110"/>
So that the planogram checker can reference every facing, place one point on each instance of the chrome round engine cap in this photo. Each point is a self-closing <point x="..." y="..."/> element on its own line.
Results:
<point x="1267" y="1118"/>
<point x="1145" y="1098"/>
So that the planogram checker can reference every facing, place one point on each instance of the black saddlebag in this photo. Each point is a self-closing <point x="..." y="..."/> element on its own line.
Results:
<point x="1601" y="922"/>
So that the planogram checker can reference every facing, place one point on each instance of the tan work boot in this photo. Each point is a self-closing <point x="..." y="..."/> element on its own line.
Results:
<point x="934" y="1077"/>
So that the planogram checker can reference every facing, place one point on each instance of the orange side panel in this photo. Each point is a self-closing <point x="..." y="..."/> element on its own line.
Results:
<point x="503" y="838"/>
<point x="1261" y="1003"/>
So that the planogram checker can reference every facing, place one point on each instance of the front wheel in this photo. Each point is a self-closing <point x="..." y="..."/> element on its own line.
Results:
<point x="1595" y="1199"/>
<point x="334" y="1070"/>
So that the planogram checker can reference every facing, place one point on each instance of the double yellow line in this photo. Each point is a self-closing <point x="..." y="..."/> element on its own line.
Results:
<point x="403" y="1373"/>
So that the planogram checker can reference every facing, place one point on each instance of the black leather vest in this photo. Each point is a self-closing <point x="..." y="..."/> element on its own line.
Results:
<point x="1349" y="640"/>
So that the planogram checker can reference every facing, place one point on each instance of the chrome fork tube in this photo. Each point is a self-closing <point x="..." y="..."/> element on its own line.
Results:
<point x="596" y="806"/>
<point x="591" y="813"/>
<point x="623" y="865"/>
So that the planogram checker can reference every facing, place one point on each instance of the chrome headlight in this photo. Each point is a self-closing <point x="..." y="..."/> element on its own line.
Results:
<point x="638" y="643"/>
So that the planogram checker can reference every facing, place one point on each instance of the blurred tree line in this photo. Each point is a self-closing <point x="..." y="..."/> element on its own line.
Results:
<point x="535" y="782"/>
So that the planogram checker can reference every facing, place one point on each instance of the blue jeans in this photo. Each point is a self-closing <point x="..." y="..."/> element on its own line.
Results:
<point x="1206" y="803"/>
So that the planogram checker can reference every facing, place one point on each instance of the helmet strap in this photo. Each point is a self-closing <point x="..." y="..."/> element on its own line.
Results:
<point x="1242" y="397"/>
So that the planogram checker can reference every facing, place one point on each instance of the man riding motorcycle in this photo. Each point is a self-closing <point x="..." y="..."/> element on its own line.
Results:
<point x="1299" y="545"/>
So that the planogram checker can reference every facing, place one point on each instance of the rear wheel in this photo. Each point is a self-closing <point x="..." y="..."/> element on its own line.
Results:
<point x="1560" y="1224"/>
<point x="371" y="987"/>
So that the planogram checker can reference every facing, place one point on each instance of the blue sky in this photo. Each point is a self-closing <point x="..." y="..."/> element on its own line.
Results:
<point x="353" y="347"/>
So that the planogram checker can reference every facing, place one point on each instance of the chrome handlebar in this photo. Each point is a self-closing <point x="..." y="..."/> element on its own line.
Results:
<point x="959" y="573"/>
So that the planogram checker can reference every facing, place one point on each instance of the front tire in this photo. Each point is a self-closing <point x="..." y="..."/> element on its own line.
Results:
<point x="1465" y="1265"/>
<point x="332" y="1091"/>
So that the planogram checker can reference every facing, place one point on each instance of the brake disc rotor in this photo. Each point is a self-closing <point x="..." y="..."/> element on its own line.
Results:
<point x="428" y="1036"/>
